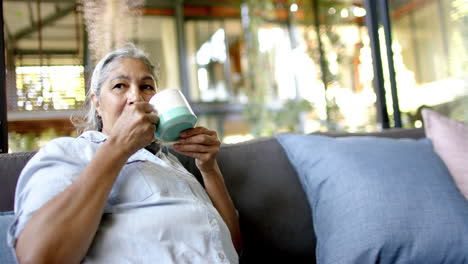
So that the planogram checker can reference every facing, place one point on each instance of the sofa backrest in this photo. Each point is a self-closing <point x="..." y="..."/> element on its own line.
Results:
<point x="274" y="215"/>
<point x="10" y="168"/>
<point x="275" y="218"/>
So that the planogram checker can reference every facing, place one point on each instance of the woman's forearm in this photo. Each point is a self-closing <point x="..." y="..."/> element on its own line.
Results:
<point x="63" y="229"/>
<point x="217" y="191"/>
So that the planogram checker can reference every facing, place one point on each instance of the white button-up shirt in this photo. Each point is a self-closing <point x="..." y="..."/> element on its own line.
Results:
<point x="157" y="212"/>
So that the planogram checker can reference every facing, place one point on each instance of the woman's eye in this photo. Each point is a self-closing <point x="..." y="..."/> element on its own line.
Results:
<point x="147" y="87"/>
<point x="119" y="86"/>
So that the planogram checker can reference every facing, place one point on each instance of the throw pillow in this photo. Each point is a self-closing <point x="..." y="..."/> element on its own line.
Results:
<point x="450" y="139"/>
<point x="380" y="200"/>
<point x="6" y="254"/>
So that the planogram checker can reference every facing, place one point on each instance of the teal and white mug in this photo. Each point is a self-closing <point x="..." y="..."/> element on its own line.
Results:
<point x="175" y="114"/>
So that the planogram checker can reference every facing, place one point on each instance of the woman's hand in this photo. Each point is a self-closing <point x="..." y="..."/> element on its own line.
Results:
<point x="201" y="144"/>
<point x="134" y="129"/>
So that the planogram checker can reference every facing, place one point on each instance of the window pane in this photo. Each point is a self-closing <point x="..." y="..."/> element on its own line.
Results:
<point x="431" y="58"/>
<point x="338" y="80"/>
<point x="49" y="87"/>
<point x="157" y="36"/>
<point x="45" y="70"/>
<point x="214" y="59"/>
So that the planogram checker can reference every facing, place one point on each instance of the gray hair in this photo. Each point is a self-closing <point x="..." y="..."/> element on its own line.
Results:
<point x="91" y="120"/>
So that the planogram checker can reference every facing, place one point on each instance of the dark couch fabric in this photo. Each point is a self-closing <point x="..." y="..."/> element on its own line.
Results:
<point x="275" y="218"/>
<point x="10" y="169"/>
<point x="274" y="215"/>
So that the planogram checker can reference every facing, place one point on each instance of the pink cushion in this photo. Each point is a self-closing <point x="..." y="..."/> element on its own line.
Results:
<point x="450" y="140"/>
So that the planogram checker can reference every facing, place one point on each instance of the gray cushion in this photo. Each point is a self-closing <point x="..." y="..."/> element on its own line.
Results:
<point x="413" y="133"/>
<point x="380" y="200"/>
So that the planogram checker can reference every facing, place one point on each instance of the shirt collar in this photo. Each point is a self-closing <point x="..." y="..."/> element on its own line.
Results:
<point x="94" y="136"/>
<point x="99" y="137"/>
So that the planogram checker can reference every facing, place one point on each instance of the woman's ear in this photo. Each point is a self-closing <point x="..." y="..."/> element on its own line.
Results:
<point x="95" y="102"/>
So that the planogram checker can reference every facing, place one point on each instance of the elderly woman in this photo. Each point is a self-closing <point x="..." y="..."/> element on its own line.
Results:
<point x="104" y="198"/>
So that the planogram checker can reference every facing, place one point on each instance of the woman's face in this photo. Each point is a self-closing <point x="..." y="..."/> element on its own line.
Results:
<point x="129" y="81"/>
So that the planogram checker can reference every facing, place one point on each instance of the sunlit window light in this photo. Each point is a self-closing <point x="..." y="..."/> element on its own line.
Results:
<point x="218" y="46"/>
<point x="358" y="11"/>
<point x="293" y="7"/>
<point x="28" y="106"/>
<point x="237" y="138"/>
<point x="417" y="124"/>
<point x="204" y="54"/>
<point x="213" y="49"/>
<point x="334" y="67"/>
<point x="203" y="79"/>
<point x="50" y="87"/>
<point x="268" y="38"/>
<point x="344" y="13"/>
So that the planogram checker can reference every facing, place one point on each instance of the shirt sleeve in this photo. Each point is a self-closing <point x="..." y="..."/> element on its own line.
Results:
<point x="47" y="174"/>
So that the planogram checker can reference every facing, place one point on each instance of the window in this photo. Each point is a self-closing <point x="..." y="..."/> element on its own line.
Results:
<point x="431" y="58"/>
<point x="49" y="88"/>
<point x="214" y="59"/>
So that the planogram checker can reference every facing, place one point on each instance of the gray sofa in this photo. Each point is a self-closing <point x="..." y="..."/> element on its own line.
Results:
<point x="275" y="217"/>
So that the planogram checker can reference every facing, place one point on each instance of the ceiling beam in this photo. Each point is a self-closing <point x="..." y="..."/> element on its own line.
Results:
<point x="211" y="11"/>
<point x="8" y="32"/>
<point x="402" y="8"/>
<point x="159" y="4"/>
<point x="45" y="52"/>
<point x="213" y="2"/>
<point x="171" y="3"/>
<point x="43" y="1"/>
<point x="38" y="126"/>
<point x="46" y="21"/>
<point x="31" y="16"/>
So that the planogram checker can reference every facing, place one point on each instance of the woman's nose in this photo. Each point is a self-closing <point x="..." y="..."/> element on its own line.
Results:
<point x="135" y="95"/>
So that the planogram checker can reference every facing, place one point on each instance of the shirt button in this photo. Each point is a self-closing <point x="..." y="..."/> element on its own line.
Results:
<point x="213" y="222"/>
<point x="221" y="255"/>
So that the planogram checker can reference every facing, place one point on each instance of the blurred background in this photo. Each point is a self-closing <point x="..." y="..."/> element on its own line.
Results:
<point x="249" y="68"/>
